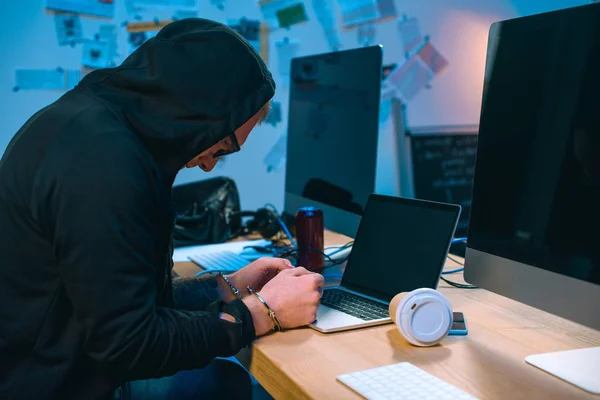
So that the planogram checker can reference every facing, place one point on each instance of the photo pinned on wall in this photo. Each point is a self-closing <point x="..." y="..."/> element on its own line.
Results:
<point x="68" y="29"/>
<point x="286" y="50"/>
<point x="275" y="158"/>
<point x="326" y="18"/>
<point x="282" y="13"/>
<point x="410" y="33"/>
<point x="97" y="8"/>
<point x="357" y="12"/>
<point x="274" y="116"/>
<point x="433" y="58"/>
<point x="366" y="34"/>
<point x="292" y="15"/>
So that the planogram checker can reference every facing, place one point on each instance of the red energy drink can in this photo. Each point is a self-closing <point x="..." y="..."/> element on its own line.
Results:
<point x="310" y="237"/>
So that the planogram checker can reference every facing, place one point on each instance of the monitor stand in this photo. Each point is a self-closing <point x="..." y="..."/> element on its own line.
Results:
<point x="578" y="367"/>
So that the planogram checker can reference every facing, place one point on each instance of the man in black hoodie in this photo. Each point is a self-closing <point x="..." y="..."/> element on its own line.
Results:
<point x="87" y="301"/>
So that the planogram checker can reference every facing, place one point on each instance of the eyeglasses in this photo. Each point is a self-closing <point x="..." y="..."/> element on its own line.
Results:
<point x="235" y="147"/>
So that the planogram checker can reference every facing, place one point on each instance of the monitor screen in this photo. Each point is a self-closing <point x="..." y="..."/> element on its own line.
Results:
<point x="536" y="194"/>
<point x="401" y="245"/>
<point x="333" y="131"/>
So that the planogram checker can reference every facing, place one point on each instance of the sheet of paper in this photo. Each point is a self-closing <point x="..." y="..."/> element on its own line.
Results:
<point x="99" y="8"/>
<point x="410" y="78"/>
<point x="183" y="14"/>
<point x="356" y="12"/>
<point x="274" y="116"/>
<point x="136" y="39"/>
<point x="39" y="79"/>
<point x="410" y="34"/>
<point x="181" y="254"/>
<point x="46" y="79"/>
<point x="325" y="16"/>
<point x="433" y="59"/>
<point x="286" y="50"/>
<point x="270" y="8"/>
<point x="96" y="54"/>
<point x="68" y="29"/>
<point x="366" y="34"/>
<point x="275" y="158"/>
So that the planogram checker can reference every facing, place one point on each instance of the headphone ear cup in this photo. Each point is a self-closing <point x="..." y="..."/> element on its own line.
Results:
<point x="267" y="223"/>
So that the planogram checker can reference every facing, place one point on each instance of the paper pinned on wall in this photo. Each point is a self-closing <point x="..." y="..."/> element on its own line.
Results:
<point x="366" y="34"/>
<point x="410" y="78"/>
<point x="68" y="29"/>
<point x="275" y="158"/>
<point x="322" y="9"/>
<point x="96" y="54"/>
<point x="108" y="34"/>
<point x="147" y="26"/>
<point x="220" y="4"/>
<point x="249" y="29"/>
<point x="73" y="78"/>
<point x="183" y="14"/>
<point x="410" y="34"/>
<point x="433" y="59"/>
<point x="98" y="8"/>
<point x="274" y="116"/>
<point x="286" y="50"/>
<point x="46" y="79"/>
<point x="356" y="12"/>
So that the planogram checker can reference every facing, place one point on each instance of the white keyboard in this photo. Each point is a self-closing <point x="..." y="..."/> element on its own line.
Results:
<point x="224" y="261"/>
<point x="401" y="381"/>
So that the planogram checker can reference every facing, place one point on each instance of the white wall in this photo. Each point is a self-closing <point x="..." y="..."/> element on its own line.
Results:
<point x="458" y="28"/>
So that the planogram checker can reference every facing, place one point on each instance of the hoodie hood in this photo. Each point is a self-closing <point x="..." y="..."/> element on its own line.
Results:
<point x="186" y="89"/>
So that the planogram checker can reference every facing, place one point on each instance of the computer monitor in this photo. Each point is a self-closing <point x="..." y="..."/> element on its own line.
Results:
<point x="534" y="232"/>
<point x="333" y="127"/>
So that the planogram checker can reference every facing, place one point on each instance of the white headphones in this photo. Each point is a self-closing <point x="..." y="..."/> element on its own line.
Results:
<point x="423" y="317"/>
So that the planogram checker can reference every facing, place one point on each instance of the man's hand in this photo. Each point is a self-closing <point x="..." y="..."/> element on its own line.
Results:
<point x="293" y="295"/>
<point x="258" y="273"/>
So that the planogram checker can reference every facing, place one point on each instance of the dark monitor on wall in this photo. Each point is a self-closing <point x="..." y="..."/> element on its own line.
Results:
<point x="333" y="127"/>
<point x="534" y="230"/>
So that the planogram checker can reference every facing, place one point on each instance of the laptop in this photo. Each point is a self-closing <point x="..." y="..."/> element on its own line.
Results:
<point x="401" y="245"/>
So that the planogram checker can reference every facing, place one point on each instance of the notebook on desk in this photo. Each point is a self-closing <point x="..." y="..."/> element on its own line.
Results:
<point x="401" y="245"/>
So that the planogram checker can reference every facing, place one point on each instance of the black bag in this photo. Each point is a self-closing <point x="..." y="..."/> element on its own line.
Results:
<point x="207" y="212"/>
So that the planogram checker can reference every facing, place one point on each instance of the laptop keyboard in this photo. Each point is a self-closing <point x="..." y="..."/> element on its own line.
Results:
<point x="357" y="306"/>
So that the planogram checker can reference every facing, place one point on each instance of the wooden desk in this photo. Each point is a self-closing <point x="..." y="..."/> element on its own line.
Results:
<point x="488" y="363"/>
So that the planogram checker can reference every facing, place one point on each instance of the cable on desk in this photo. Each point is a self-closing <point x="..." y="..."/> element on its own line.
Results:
<point x="459" y="285"/>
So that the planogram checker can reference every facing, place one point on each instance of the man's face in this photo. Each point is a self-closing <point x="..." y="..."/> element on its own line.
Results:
<point x="206" y="160"/>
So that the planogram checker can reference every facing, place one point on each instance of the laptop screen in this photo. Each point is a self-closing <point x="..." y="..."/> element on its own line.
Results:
<point x="401" y="245"/>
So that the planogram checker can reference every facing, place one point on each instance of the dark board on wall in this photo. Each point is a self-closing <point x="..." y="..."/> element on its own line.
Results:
<point x="443" y="162"/>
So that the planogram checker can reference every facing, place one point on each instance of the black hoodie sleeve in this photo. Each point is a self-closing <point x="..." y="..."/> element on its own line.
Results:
<point x="106" y="211"/>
